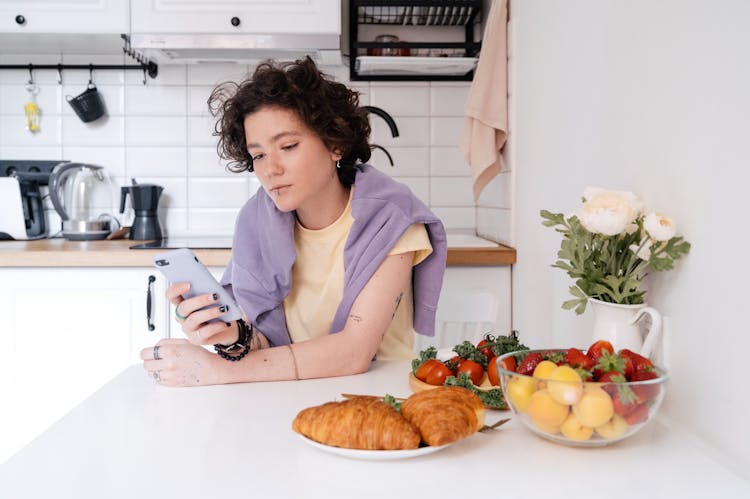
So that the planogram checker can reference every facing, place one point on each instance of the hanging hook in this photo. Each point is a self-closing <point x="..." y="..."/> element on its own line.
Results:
<point x="59" y="74"/>
<point x="31" y="74"/>
<point x="91" y="74"/>
<point x="144" y="75"/>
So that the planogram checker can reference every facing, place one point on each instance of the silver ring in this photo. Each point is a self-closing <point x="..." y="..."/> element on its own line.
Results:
<point x="156" y="352"/>
<point x="157" y="378"/>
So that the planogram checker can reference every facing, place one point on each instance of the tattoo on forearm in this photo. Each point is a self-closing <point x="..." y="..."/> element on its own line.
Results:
<point x="355" y="318"/>
<point x="398" y="301"/>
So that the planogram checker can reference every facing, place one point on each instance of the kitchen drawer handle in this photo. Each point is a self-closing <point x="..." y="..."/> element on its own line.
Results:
<point x="149" y="320"/>
<point x="20" y="20"/>
<point x="235" y="21"/>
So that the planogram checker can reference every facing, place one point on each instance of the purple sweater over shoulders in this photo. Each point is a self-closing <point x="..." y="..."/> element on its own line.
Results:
<point x="259" y="273"/>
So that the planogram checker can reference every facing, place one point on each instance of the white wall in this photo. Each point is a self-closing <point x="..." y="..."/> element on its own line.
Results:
<point x="653" y="97"/>
<point x="161" y="133"/>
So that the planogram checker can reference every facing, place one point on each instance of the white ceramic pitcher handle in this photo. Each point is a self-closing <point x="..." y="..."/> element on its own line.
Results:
<point x="651" y="339"/>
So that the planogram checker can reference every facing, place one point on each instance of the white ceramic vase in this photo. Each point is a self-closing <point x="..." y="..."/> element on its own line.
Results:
<point x="618" y="324"/>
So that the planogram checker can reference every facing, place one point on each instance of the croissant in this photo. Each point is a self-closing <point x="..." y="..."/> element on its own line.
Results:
<point x="444" y="414"/>
<point x="359" y="423"/>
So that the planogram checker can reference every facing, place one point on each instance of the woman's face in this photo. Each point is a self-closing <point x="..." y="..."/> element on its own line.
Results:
<point x="293" y="164"/>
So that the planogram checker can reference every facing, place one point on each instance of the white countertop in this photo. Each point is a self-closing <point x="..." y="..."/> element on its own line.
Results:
<point x="134" y="438"/>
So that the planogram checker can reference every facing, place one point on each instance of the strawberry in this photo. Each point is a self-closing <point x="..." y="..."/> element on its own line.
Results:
<point x="529" y="363"/>
<point x="609" y="379"/>
<point x="634" y="362"/>
<point x="638" y="415"/>
<point x="645" y="392"/>
<point x="608" y="362"/>
<point x="624" y="401"/>
<point x="578" y="360"/>
<point x="596" y="348"/>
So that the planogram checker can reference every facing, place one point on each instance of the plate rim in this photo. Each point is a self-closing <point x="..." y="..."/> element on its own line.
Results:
<point x="374" y="455"/>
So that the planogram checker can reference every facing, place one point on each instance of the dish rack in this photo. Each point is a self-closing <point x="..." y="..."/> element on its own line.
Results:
<point x="449" y="53"/>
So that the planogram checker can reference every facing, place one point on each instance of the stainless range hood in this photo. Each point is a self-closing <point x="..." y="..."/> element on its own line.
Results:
<point x="237" y="47"/>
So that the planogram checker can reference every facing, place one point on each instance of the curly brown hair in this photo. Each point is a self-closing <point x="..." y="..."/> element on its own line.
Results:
<point x="328" y="108"/>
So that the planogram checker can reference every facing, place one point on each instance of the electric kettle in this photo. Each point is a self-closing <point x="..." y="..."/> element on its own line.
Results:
<point x="82" y="196"/>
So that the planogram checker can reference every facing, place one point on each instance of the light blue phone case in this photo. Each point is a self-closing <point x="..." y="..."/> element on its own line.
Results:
<point x="181" y="265"/>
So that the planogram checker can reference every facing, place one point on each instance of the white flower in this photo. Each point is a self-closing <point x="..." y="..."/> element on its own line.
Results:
<point x="643" y="250"/>
<point x="608" y="212"/>
<point x="659" y="227"/>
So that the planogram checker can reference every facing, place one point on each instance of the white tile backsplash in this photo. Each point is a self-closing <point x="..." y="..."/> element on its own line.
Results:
<point x="106" y="131"/>
<point x="156" y="131"/>
<point x="419" y="186"/>
<point x="446" y="131"/>
<point x="412" y="131"/>
<point x="448" y="162"/>
<point x="14" y="97"/>
<point x="111" y="158"/>
<point x="155" y="101"/>
<point x="402" y="101"/>
<point x="210" y="221"/>
<point x="456" y="218"/>
<point x="156" y="162"/>
<point x="448" y="100"/>
<point x="212" y="192"/>
<point x="198" y="100"/>
<point x="407" y="161"/>
<point x="450" y="191"/>
<point x="13" y="132"/>
<point x="205" y="162"/>
<point x="200" y="130"/>
<point x="161" y="133"/>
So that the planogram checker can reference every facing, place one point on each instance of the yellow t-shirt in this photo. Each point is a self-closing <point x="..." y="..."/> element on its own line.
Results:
<point x="318" y="284"/>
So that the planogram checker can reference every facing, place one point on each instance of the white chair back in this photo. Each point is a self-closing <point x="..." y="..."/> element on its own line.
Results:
<point x="464" y="315"/>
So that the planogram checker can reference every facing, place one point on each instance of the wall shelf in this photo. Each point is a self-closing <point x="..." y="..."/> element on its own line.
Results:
<point x="449" y="53"/>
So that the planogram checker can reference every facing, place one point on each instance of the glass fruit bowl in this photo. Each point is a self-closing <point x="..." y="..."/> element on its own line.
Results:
<point x="556" y="404"/>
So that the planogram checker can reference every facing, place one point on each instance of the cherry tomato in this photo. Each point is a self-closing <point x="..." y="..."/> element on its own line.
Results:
<point x="492" y="373"/>
<point x="508" y="363"/>
<point x="437" y="375"/>
<point x="484" y="347"/>
<point x="425" y="368"/>
<point x="475" y="370"/>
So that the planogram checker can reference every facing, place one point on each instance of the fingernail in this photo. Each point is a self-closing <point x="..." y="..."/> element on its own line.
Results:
<point x="223" y="308"/>
<point x="215" y="296"/>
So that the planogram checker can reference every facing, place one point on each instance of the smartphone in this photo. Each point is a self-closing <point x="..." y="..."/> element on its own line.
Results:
<point x="181" y="265"/>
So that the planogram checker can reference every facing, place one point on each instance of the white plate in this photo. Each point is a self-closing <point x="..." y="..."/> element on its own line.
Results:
<point x="373" y="455"/>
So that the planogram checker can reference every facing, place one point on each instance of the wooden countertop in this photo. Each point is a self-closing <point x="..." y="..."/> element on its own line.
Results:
<point x="63" y="253"/>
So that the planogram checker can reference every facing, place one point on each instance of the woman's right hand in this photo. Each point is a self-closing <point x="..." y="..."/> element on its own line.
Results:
<point x="193" y="317"/>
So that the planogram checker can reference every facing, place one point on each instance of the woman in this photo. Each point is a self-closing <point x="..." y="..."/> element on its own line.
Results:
<point x="332" y="262"/>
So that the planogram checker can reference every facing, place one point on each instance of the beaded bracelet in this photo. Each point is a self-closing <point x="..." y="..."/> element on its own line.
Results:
<point x="239" y="348"/>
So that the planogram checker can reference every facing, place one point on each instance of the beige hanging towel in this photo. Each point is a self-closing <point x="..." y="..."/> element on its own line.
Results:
<point x="486" y="122"/>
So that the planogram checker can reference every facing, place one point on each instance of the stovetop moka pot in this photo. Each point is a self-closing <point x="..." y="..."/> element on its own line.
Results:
<point x="145" y="201"/>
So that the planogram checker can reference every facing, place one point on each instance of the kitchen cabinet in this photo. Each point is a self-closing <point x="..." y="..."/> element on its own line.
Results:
<point x="68" y="16"/>
<point x="65" y="333"/>
<point x="224" y="17"/>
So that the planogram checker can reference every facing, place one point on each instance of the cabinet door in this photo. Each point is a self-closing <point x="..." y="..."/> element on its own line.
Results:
<point x="65" y="333"/>
<point x="250" y="16"/>
<point x="69" y="16"/>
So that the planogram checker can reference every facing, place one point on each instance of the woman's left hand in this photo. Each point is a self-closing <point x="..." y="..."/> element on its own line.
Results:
<point x="180" y="363"/>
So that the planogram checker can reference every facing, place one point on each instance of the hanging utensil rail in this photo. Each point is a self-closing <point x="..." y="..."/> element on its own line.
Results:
<point x="150" y="68"/>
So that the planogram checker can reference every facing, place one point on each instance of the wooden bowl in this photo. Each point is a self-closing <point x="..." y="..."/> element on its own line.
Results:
<point x="418" y="385"/>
